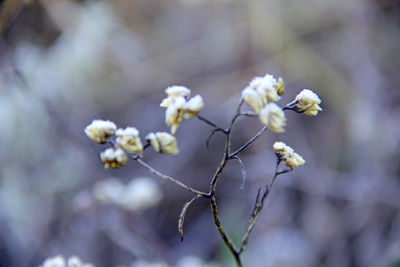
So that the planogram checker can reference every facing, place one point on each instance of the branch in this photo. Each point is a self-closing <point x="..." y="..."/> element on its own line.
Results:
<point x="182" y="216"/>
<point x="259" y="205"/>
<point x="232" y="155"/>
<point x="244" y="172"/>
<point x="222" y="233"/>
<point x="169" y="178"/>
<point x="210" y="123"/>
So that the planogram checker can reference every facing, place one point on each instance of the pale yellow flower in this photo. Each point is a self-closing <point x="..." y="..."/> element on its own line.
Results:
<point x="163" y="142"/>
<point x="174" y="92"/>
<point x="193" y="107"/>
<point x="114" y="158"/>
<point x="273" y="117"/>
<point x="129" y="140"/>
<point x="307" y="102"/>
<point x="99" y="130"/>
<point x="253" y="99"/>
<point x="57" y="261"/>
<point x="175" y="113"/>
<point x="287" y="155"/>
<point x="262" y="90"/>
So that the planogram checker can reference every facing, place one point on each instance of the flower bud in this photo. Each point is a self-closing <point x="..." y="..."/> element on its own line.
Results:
<point x="193" y="107"/>
<point x="253" y="99"/>
<point x="307" y="102"/>
<point x="280" y="87"/>
<point x="273" y="117"/>
<point x="129" y="140"/>
<point x="174" y="92"/>
<point x="99" y="130"/>
<point x="114" y="158"/>
<point x="174" y="113"/>
<point x="287" y="154"/>
<point x="163" y="142"/>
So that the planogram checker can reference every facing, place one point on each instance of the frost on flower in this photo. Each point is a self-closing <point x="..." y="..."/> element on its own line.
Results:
<point x="129" y="140"/>
<point x="287" y="154"/>
<point x="307" y="102"/>
<point x="163" y="142"/>
<point x="179" y="107"/>
<point x="114" y="158"/>
<point x="99" y="130"/>
<point x="273" y="117"/>
<point x="140" y="194"/>
<point x="262" y="90"/>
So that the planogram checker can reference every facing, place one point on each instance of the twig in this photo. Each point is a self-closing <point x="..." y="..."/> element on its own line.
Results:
<point x="211" y="134"/>
<point x="232" y="155"/>
<point x="244" y="172"/>
<point x="222" y="233"/>
<point x="259" y="205"/>
<point x="182" y="216"/>
<point x="169" y="178"/>
<point x="210" y="123"/>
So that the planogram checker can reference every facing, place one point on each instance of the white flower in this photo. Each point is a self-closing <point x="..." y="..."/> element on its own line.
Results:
<point x="163" y="142"/>
<point x="129" y="140"/>
<point x="114" y="158"/>
<point x="57" y="261"/>
<point x="287" y="154"/>
<point x="173" y="92"/>
<point x="108" y="191"/>
<point x="307" y="102"/>
<point x="179" y="107"/>
<point x="273" y="117"/>
<point x="253" y="99"/>
<point x="99" y="130"/>
<point x="140" y="194"/>
<point x="262" y="90"/>
<point x="174" y="113"/>
<point x="193" y="107"/>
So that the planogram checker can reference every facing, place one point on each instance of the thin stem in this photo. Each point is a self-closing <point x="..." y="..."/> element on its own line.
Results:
<point x="210" y="123"/>
<point x="259" y="205"/>
<point x="232" y="155"/>
<point x="222" y="233"/>
<point x="169" y="178"/>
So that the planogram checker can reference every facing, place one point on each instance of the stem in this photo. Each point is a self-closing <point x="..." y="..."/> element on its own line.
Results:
<point x="232" y="155"/>
<point x="169" y="178"/>
<point x="259" y="205"/>
<point x="210" y="123"/>
<point x="222" y="233"/>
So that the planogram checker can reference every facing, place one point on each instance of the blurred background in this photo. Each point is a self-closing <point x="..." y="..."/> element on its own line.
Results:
<point x="64" y="63"/>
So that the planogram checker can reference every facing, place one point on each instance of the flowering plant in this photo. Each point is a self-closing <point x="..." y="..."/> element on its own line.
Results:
<point x="261" y="95"/>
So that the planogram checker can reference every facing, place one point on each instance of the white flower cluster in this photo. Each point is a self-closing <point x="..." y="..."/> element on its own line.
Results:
<point x="127" y="141"/>
<point x="163" y="142"/>
<point x="139" y="194"/>
<point x="287" y="155"/>
<point x="59" y="261"/>
<point x="114" y="158"/>
<point x="307" y="102"/>
<point x="99" y="131"/>
<point x="179" y="106"/>
<point x="261" y="94"/>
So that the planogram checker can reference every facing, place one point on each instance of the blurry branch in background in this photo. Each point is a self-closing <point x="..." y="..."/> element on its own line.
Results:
<point x="260" y="95"/>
